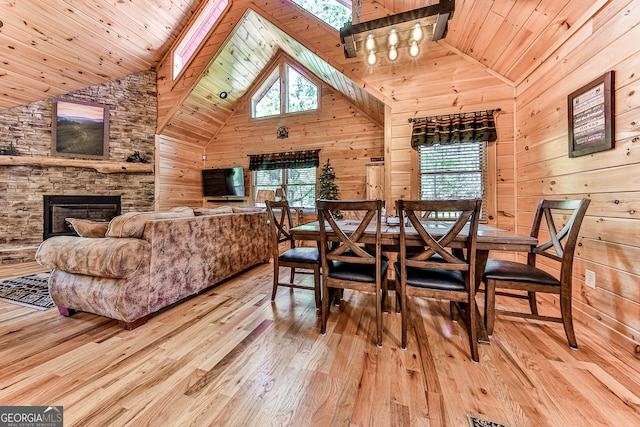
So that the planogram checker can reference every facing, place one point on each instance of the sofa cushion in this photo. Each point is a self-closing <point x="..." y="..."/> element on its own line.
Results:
<point x="213" y="211"/>
<point x="131" y="224"/>
<point x="183" y="209"/>
<point x="88" y="228"/>
<point x="115" y="258"/>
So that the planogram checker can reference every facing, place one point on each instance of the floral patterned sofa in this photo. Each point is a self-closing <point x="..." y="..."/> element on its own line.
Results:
<point x="149" y="260"/>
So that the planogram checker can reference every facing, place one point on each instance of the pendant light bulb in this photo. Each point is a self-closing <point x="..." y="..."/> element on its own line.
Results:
<point x="370" y="44"/>
<point x="414" y="50"/>
<point x="417" y="32"/>
<point x="393" y="38"/>
<point x="393" y="53"/>
<point x="371" y="58"/>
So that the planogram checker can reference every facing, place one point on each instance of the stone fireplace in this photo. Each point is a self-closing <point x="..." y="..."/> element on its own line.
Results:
<point x="36" y="173"/>
<point x="57" y="208"/>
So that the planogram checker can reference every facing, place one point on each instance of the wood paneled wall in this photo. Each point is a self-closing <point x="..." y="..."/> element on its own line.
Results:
<point x="610" y="236"/>
<point x="345" y="136"/>
<point x="444" y="82"/>
<point x="178" y="173"/>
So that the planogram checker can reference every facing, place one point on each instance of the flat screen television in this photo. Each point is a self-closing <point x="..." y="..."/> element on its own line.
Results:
<point x="223" y="182"/>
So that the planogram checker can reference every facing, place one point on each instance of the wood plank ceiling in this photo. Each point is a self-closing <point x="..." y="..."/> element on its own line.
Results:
<point x="50" y="48"/>
<point x="251" y="47"/>
<point x="53" y="47"/>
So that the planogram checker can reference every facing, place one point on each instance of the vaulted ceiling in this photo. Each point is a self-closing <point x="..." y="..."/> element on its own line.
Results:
<point x="52" y="47"/>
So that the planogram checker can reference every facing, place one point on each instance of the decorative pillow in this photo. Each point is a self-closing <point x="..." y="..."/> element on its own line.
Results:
<point x="131" y="224"/>
<point x="182" y="209"/>
<point x="213" y="211"/>
<point x="88" y="228"/>
<point x="241" y="209"/>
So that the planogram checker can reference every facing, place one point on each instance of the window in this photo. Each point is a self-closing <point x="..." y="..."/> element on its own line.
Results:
<point x="298" y="94"/>
<point x="449" y="171"/>
<point x="299" y="184"/>
<point x="268" y="102"/>
<point x="335" y="13"/>
<point x="191" y="41"/>
<point x="302" y="95"/>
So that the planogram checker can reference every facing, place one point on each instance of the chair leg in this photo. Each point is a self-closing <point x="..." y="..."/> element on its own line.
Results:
<point x="385" y="295"/>
<point x="404" y="314"/>
<point x="489" y="306"/>
<point x="316" y="283"/>
<point x="452" y="312"/>
<point x="276" y="279"/>
<point x="379" y="317"/>
<point x="532" y="303"/>
<point x="337" y="295"/>
<point x="325" y="307"/>
<point x="567" y="321"/>
<point x="472" y="311"/>
<point x="293" y="274"/>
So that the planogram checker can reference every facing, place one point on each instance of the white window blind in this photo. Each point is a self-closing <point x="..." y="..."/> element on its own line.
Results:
<point x="454" y="171"/>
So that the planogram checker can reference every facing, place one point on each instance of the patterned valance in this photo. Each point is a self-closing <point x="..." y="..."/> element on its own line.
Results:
<point x="290" y="160"/>
<point x="452" y="128"/>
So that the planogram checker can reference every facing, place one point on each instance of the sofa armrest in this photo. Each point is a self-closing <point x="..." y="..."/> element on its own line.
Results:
<point x="102" y="257"/>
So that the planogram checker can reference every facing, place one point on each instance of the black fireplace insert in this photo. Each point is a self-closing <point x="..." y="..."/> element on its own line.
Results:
<point x="59" y="207"/>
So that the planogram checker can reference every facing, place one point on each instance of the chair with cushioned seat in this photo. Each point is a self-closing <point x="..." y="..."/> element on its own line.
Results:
<point x="433" y="270"/>
<point x="295" y="256"/>
<point x="563" y="219"/>
<point x="346" y="262"/>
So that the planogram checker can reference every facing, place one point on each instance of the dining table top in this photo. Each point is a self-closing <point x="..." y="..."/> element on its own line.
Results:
<point x="489" y="238"/>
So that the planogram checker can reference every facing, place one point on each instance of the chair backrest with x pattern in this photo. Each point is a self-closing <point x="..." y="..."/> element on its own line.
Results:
<point x="435" y="252"/>
<point x="562" y="240"/>
<point x="281" y="223"/>
<point x="348" y="245"/>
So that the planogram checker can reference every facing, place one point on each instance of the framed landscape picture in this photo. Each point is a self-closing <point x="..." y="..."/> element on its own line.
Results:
<point x="80" y="129"/>
<point x="591" y="123"/>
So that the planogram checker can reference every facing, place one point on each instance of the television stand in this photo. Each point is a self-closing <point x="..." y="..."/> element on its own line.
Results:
<point x="226" y="199"/>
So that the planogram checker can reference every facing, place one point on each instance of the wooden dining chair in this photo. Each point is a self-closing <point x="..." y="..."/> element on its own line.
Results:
<point x="346" y="262"/>
<point x="295" y="256"/>
<point x="563" y="219"/>
<point x="428" y="268"/>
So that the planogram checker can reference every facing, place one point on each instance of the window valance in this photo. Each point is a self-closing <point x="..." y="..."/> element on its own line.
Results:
<point x="288" y="160"/>
<point x="452" y="128"/>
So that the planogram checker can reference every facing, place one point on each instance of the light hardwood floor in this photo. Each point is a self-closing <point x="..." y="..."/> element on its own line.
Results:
<point x="231" y="357"/>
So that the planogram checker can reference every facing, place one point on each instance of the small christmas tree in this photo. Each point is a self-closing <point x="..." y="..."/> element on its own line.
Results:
<point x="328" y="188"/>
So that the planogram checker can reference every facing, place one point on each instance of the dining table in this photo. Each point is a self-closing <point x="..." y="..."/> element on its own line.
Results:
<point x="489" y="239"/>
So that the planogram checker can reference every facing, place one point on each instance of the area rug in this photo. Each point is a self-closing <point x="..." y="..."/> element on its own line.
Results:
<point x="479" y="422"/>
<point x="30" y="291"/>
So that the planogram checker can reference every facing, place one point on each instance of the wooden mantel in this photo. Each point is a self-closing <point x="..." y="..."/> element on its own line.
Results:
<point x="102" y="166"/>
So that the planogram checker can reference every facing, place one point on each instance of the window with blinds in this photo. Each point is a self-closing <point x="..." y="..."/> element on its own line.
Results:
<point x="299" y="184"/>
<point x="454" y="171"/>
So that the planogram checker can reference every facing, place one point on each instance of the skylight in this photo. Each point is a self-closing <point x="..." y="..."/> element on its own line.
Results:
<point x="333" y="12"/>
<point x="191" y="41"/>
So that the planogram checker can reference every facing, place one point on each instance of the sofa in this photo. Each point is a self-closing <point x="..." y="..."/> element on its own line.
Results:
<point x="141" y="262"/>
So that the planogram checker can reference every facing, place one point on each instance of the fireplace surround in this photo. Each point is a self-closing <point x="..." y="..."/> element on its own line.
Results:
<point x="57" y="208"/>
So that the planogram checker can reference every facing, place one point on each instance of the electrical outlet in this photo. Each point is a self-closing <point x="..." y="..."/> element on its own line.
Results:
<point x="204" y="157"/>
<point x="590" y="278"/>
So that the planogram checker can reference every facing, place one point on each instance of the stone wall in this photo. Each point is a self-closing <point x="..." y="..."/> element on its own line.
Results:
<point x="132" y="105"/>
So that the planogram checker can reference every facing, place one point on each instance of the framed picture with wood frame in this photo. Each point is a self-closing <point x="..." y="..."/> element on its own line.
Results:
<point x="79" y="129"/>
<point x="591" y="124"/>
